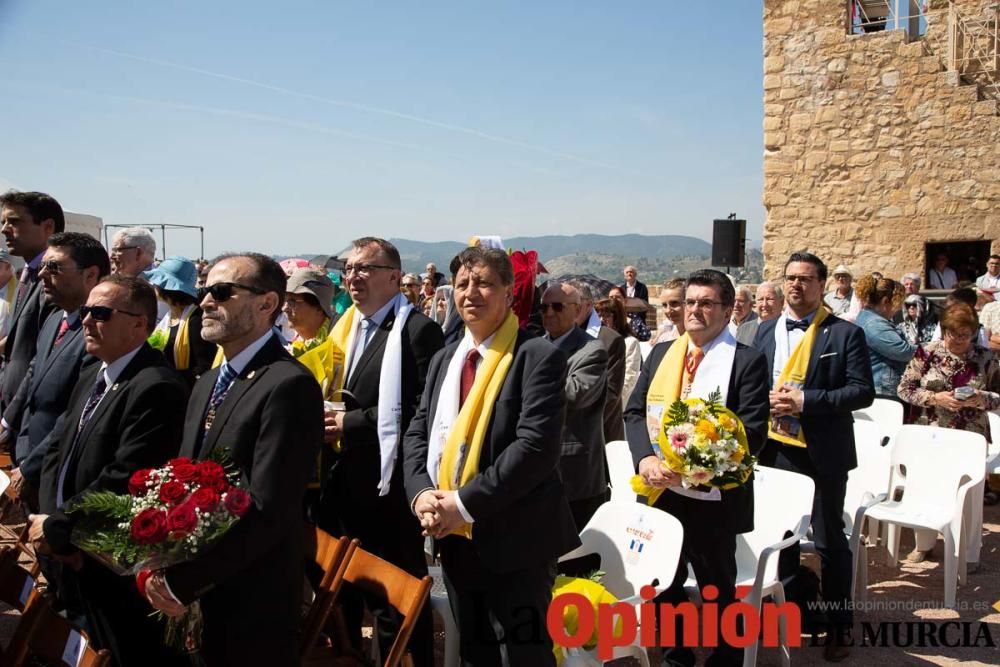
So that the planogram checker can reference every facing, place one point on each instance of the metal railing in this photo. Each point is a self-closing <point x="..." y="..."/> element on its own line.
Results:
<point x="868" y="16"/>
<point x="974" y="47"/>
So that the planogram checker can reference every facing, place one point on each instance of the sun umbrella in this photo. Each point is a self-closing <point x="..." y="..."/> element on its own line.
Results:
<point x="600" y="286"/>
<point x="289" y="265"/>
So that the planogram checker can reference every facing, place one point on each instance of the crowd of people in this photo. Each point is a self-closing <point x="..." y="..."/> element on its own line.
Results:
<point x="446" y="416"/>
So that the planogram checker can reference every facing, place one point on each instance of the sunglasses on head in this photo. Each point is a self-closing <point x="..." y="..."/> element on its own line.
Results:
<point x="556" y="307"/>
<point x="224" y="291"/>
<point x="102" y="313"/>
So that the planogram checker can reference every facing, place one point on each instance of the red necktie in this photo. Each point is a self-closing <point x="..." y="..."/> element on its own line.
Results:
<point x="468" y="375"/>
<point x="691" y="363"/>
<point x="63" y="328"/>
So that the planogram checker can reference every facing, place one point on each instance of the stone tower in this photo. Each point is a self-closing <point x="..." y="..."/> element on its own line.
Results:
<point x="883" y="147"/>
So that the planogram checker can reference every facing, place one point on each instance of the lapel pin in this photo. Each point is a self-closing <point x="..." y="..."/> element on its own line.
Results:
<point x="114" y="387"/>
<point x="251" y="374"/>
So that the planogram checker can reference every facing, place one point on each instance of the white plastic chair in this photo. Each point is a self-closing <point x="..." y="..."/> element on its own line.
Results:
<point x="867" y="485"/>
<point x="939" y="471"/>
<point x="621" y="468"/>
<point x="638" y="545"/>
<point x="885" y="412"/>
<point x="993" y="453"/>
<point x="782" y="502"/>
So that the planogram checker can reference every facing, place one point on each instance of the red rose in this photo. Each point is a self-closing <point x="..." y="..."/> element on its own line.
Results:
<point x="219" y="485"/>
<point x="137" y="482"/>
<point x="172" y="492"/>
<point x="237" y="501"/>
<point x="184" y="472"/>
<point x="140" y="581"/>
<point x="149" y="526"/>
<point x="206" y="499"/>
<point x="182" y="519"/>
<point x="207" y="471"/>
<point x="179" y="461"/>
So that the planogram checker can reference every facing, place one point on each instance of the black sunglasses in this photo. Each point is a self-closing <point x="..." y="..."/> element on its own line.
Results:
<point x="55" y="268"/>
<point x="556" y="307"/>
<point x="102" y="313"/>
<point x="224" y="291"/>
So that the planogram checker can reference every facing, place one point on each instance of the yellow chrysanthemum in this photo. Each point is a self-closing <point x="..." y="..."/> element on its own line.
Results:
<point x="707" y="429"/>
<point x="737" y="456"/>
<point x="727" y="423"/>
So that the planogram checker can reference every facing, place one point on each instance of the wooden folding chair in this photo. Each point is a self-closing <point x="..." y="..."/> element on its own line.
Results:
<point x="17" y="585"/>
<point x="44" y="634"/>
<point x="332" y="555"/>
<point x="403" y="591"/>
<point x="9" y="534"/>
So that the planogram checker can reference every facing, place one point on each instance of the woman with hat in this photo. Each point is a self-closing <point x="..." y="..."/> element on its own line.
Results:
<point x="309" y="308"/>
<point x="918" y="323"/>
<point x="178" y="334"/>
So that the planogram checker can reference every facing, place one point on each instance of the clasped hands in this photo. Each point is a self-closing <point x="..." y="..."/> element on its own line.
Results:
<point x="655" y="474"/>
<point x="438" y="512"/>
<point x="786" y="400"/>
<point x="36" y="537"/>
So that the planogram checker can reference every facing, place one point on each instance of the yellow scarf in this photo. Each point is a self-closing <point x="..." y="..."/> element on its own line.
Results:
<point x="664" y="389"/>
<point x="182" y="344"/>
<point x="468" y="432"/>
<point x="795" y="373"/>
<point x="11" y="291"/>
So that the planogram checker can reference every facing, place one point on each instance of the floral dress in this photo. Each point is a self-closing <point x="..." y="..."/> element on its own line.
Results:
<point x="934" y="369"/>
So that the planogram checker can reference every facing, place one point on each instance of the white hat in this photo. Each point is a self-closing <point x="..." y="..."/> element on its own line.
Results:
<point x="841" y="270"/>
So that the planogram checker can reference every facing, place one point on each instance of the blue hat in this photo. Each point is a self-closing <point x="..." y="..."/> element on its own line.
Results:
<point x="176" y="274"/>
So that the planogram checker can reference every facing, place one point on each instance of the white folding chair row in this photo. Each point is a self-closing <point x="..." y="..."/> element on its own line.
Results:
<point x="885" y="412"/>
<point x="941" y="476"/>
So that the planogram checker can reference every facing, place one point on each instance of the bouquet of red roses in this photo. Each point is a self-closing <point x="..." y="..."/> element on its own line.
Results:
<point x="169" y="516"/>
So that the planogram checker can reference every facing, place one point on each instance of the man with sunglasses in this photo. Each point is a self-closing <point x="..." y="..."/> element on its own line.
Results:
<point x="820" y="373"/>
<point x="582" y="464"/>
<point x="266" y="409"/>
<point x="27" y="220"/>
<point x="125" y="413"/>
<point x="388" y="349"/>
<point x="72" y="266"/>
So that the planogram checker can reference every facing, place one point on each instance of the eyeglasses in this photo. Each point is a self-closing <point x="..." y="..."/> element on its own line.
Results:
<point x="224" y="291"/>
<point x="55" y="268"/>
<point x="701" y="304"/>
<point x="364" y="270"/>
<point x="411" y="284"/>
<point x="805" y="280"/>
<point x="556" y="307"/>
<point x="120" y="250"/>
<point x="958" y="337"/>
<point x="102" y="313"/>
<point x="671" y="304"/>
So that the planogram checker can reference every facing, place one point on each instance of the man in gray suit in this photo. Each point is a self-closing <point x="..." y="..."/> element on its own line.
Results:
<point x="614" y="425"/>
<point x="582" y="464"/>
<point x="768" y="304"/>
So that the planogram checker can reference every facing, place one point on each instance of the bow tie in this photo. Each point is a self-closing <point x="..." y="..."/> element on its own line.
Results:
<point x="792" y="325"/>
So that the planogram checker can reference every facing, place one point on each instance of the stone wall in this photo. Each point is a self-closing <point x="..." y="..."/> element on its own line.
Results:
<point x="872" y="149"/>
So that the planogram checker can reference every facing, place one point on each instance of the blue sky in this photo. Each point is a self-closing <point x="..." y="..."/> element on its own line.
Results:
<point x="295" y="126"/>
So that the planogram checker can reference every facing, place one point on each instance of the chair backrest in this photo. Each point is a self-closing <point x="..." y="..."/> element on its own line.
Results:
<point x="17" y="586"/>
<point x="994" y="426"/>
<point x="331" y="556"/>
<point x="885" y="412"/>
<point x="44" y="634"/>
<point x="932" y="462"/>
<point x="403" y="591"/>
<point x="620" y="465"/>
<point x="782" y="502"/>
<point x="637" y="545"/>
<point x="871" y="477"/>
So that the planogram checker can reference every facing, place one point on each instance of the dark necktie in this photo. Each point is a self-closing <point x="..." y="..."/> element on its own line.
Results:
<point x="792" y="325"/>
<point x="219" y="392"/>
<point x="468" y="375"/>
<point x="100" y="388"/>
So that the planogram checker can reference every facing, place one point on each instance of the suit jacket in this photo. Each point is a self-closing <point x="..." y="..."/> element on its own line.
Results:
<point x="582" y="464"/>
<point x="615" y="345"/>
<point x="351" y="490"/>
<point x="454" y="327"/>
<point x="746" y="333"/>
<point x="747" y="398"/>
<point x="641" y="291"/>
<point x="250" y="581"/>
<point x="25" y="323"/>
<point x="35" y="411"/>
<point x="838" y="381"/>
<point x="138" y="424"/>
<point x="522" y="518"/>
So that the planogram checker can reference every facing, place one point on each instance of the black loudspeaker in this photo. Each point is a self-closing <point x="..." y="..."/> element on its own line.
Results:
<point x="729" y="242"/>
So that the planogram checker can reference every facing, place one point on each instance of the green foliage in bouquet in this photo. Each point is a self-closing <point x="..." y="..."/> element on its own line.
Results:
<point x="158" y="339"/>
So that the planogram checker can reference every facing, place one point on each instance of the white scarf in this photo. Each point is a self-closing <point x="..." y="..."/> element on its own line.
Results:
<point x="447" y="408"/>
<point x="593" y="324"/>
<point x="390" y="389"/>
<point x="164" y="323"/>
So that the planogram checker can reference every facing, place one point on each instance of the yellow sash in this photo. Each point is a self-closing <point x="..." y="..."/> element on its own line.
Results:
<point x="664" y="389"/>
<point x="11" y="291"/>
<point x="182" y="344"/>
<point x="469" y="430"/>
<point x="794" y="372"/>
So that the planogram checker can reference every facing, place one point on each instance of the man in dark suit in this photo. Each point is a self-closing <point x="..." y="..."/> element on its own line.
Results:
<point x="614" y="427"/>
<point x="125" y="413"/>
<point x="499" y="581"/>
<point x="71" y="267"/>
<point x="712" y="518"/>
<point x="582" y="464"/>
<point x="267" y="410"/>
<point x="838" y="380"/>
<point x="355" y="501"/>
<point x="632" y="287"/>
<point x="28" y="220"/>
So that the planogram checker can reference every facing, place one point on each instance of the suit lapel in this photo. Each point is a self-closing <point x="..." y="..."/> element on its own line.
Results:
<point x="74" y="415"/>
<point x="30" y="294"/>
<point x="374" y="346"/>
<point x="56" y="350"/>
<point x="139" y="361"/>
<point x="438" y="381"/>
<point x="768" y="351"/>
<point x="195" y="417"/>
<point x="819" y="347"/>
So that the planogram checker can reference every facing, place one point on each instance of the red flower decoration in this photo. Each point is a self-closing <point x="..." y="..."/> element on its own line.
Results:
<point x="180" y="460"/>
<point x="137" y="482"/>
<point x="237" y="501"/>
<point x="207" y="471"/>
<point x="172" y="492"/>
<point x="206" y="499"/>
<point x="185" y="472"/>
<point x="140" y="581"/>
<point x="181" y="520"/>
<point x="220" y="485"/>
<point x="149" y="526"/>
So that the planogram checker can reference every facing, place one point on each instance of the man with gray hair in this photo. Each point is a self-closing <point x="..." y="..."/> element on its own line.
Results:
<point x="614" y="425"/>
<point x="769" y="304"/>
<point x="132" y="251"/>
<point x="911" y="283"/>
